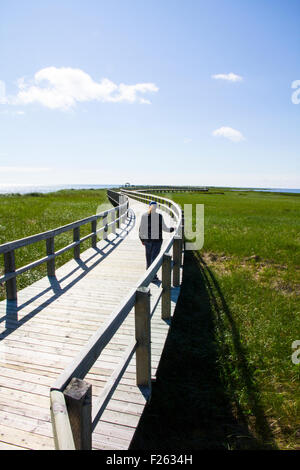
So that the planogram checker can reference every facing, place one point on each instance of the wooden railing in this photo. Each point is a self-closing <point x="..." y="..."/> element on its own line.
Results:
<point x="163" y="188"/>
<point x="117" y="215"/>
<point x="73" y="416"/>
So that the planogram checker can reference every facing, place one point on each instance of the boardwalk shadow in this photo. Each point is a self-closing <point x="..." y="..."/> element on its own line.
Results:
<point x="194" y="403"/>
<point x="13" y="308"/>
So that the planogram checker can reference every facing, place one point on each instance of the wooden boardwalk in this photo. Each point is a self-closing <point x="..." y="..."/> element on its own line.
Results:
<point x="42" y="332"/>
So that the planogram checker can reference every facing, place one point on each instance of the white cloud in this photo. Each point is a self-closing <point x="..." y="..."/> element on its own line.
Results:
<point x="187" y="140"/>
<point x="229" y="133"/>
<point x="230" y="77"/>
<point x="62" y="88"/>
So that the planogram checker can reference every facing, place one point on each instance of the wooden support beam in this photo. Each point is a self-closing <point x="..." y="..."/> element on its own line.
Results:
<point x="166" y="286"/>
<point x="182" y="225"/>
<point x="143" y="337"/>
<point x="50" y="251"/>
<point x="104" y="221"/>
<point x="76" y="238"/>
<point x="10" y="267"/>
<point x="78" y="396"/>
<point x="117" y="212"/>
<point x="94" y="229"/>
<point x="177" y="249"/>
<point x="113" y="219"/>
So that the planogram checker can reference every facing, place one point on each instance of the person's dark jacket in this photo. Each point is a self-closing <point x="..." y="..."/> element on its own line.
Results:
<point x="151" y="227"/>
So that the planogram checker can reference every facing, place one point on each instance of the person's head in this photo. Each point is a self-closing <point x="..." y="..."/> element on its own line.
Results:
<point x="152" y="207"/>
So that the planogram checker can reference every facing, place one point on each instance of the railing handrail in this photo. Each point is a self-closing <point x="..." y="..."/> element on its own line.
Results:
<point x="83" y="362"/>
<point x="5" y="247"/>
<point x="142" y="195"/>
<point x="8" y="249"/>
<point x="164" y="188"/>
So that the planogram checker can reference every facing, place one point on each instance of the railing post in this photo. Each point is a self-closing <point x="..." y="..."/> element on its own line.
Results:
<point x="94" y="231"/>
<point x="76" y="237"/>
<point x="182" y="225"/>
<point x="113" y="219"/>
<point x="10" y="267"/>
<point x="50" y="251"/>
<point x="177" y="246"/>
<point x="117" y="214"/>
<point x="123" y="214"/>
<point x="78" y="396"/>
<point x="143" y="337"/>
<point x="104" y="221"/>
<point x="166" y="286"/>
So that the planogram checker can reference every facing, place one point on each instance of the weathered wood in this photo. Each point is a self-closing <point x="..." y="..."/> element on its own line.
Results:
<point x="50" y="251"/>
<point x="76" y="238"/>
<point x="143" y="337"/>
<point x="176" y="261"/>
<point x="90" y="353"/>
<point x="117" y="217"/>
<point x="166" y="285"/>
<point x="78" y="396"/>
<point x="62" y="432"/>
<point x="10" y="267"/>
<point x="183" y="228"/>
<point x="94" y="231"/>
<point x="113" y="221"/>
<point x="105" y="225"/>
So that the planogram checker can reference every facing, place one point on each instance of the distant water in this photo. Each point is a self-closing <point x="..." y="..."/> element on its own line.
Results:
<point x="280" y="190"/>
<point x="25" y="189"/>
<point x="270" y="190"/>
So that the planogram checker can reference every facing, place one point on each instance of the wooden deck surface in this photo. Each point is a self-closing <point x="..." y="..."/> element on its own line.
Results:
<point x="53" y="319"/>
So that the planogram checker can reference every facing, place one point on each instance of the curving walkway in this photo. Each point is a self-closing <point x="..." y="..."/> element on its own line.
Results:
<point x="53" y="319"/>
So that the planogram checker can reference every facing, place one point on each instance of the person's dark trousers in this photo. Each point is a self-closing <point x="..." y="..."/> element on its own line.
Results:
<point x="152" y="250"/>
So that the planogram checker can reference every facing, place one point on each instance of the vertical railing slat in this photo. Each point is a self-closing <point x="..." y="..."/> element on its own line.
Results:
<point x="10" y="267"/>
<point x="94" y="236"/>
<point x="166" y="286"/>
<point x="143" y="337"/>
<point x="50" y="251"/>
<point x="176" y="260"/>
<point x="76" y="238"/>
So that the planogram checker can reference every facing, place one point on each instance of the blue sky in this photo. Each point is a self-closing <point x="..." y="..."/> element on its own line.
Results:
<point x="156" y="92"/>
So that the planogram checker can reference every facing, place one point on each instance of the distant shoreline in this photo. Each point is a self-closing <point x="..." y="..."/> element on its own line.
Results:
<point x="26" y="189"/>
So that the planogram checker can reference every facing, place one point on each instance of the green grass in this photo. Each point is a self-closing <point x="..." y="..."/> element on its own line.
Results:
<point x="24" y="215"/>
<point x="226" y="379"/>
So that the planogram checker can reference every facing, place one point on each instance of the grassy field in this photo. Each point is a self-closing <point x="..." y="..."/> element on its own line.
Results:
<point x="24" y="215"/>
<point x="226" y="379"/>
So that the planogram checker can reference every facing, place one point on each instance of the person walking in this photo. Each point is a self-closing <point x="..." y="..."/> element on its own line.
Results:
<point x="150" y="232"/>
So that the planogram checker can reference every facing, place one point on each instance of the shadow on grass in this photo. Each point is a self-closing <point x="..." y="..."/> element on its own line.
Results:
<point x="194" y="402"/>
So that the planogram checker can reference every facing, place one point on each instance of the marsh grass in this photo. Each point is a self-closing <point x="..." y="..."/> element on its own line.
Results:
<point x="24" y="215"/>
<point x="226" y="379"/>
